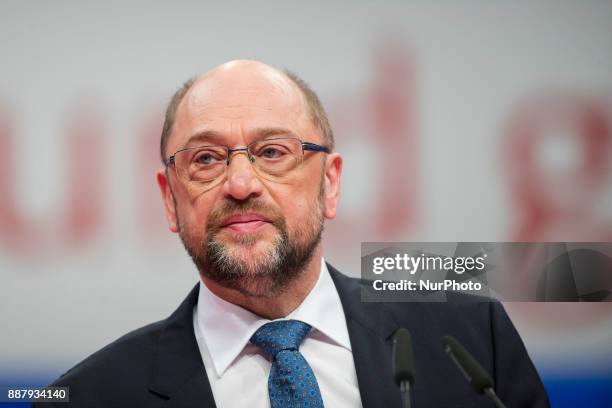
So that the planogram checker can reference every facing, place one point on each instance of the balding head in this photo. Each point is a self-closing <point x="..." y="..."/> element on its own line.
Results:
<point x="239" y="78"/>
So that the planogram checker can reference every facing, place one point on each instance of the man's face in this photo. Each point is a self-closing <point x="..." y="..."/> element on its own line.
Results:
<point x="242" y="230"/>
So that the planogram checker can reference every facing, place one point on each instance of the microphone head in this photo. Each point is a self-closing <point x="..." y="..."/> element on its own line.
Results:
<point x="467" y="364"/>
<point x="403" y="361"/>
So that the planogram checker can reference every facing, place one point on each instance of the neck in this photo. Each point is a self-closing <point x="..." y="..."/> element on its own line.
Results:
<point x="274" y="307"/>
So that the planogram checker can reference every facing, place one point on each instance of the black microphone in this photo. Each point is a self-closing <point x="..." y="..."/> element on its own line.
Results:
<point x="403" y="363"/>
<point x="471" y="369"/>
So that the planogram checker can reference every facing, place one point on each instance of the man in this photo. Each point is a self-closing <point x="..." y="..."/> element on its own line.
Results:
<point x="249" y="177"/>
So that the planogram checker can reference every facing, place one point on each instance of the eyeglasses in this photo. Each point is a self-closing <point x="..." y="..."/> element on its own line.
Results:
<point x="271" y="157"/>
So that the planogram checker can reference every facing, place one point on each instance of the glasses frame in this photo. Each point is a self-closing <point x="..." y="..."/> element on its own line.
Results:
<point x="306" y="146"/>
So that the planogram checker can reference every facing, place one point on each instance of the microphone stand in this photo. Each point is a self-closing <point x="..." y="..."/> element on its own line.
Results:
<point x="405" y="390"/>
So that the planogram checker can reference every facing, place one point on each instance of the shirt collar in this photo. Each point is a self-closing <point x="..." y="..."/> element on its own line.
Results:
<point x="226" y="328"/>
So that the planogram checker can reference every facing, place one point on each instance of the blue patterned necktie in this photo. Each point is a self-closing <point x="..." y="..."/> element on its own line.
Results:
<point x="291" y="383"/>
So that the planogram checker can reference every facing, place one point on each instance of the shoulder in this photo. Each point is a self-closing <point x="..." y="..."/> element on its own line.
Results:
<point x="116" y="370"/>
<point x="121" y="373"/>
<point x="138" y="345"/>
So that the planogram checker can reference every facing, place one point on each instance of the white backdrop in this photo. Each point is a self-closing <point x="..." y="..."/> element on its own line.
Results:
<point x="425" y="101"/>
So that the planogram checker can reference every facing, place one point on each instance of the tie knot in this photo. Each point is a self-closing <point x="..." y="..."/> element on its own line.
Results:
<point x="280" y="335"/>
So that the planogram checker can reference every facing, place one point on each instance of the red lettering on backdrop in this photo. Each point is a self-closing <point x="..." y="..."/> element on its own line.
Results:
<point x="88" y="172"/>
<point x="393" y="120"/>
<point x="383" y="120"/>
<point x="559" y="203"/>
<point x="80" y="217"/>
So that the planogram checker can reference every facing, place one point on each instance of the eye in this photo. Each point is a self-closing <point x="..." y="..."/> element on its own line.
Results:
<point x="204" y="158"/>
<point x="271" y="152"/>
<point x="207" y="157"/>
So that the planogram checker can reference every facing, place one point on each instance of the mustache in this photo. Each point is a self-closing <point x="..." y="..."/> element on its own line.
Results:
<point x="230" y="207"/>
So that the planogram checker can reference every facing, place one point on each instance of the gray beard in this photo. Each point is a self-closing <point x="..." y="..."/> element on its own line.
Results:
<point x="273" y="272"/>
<point x="271" y="276"/>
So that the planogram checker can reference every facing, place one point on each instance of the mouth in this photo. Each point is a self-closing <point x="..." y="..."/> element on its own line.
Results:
<point x="244" y="222"/>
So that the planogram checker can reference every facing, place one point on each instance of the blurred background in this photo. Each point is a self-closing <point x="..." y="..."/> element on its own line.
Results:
<point x="458" y="121"/>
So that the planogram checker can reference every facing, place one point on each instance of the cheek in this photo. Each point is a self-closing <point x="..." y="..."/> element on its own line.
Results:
<point x="300" y="195"/>
<point x="195" y="222"/>
<point x="298" y="207"/>
<point x="193" y="215"/>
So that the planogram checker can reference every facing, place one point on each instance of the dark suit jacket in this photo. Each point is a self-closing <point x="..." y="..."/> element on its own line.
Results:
<point x="160" y="365"/>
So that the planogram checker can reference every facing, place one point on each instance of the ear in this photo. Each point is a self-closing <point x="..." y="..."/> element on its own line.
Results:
<point x="168" y="199"/>
<point x="333" y="170"/>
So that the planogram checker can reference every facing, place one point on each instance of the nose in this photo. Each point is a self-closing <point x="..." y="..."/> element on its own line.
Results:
<point x="242" y="181"/>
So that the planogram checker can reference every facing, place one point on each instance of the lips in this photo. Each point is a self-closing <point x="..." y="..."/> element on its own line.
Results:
<point x="244" y="222"/>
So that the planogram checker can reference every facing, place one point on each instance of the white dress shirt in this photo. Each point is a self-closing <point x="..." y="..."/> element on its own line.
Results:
<point x="238" y="370"/>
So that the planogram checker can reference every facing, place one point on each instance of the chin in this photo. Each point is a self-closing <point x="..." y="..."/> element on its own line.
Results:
<point x="249" y="248"/>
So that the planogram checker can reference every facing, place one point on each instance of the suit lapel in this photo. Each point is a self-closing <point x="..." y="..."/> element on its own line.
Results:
<point x="178" y="373"/>
<point x="179" y="376"/>
<point x="370" y="327"/>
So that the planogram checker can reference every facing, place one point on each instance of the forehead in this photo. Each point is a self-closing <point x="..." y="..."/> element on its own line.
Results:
<point x="235" y="103"/>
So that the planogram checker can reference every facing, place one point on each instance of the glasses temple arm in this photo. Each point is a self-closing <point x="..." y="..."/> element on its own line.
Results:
<point x="315" y="147"/>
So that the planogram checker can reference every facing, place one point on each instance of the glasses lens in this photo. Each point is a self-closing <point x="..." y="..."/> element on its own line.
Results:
<point x="201" y="164"/>
<point x="276" y="156"/>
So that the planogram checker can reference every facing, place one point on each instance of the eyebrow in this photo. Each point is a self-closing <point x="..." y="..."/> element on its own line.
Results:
<point x="263" y="133"/>
<point x="209" y="136"/>
<point x="214" y="137"/>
